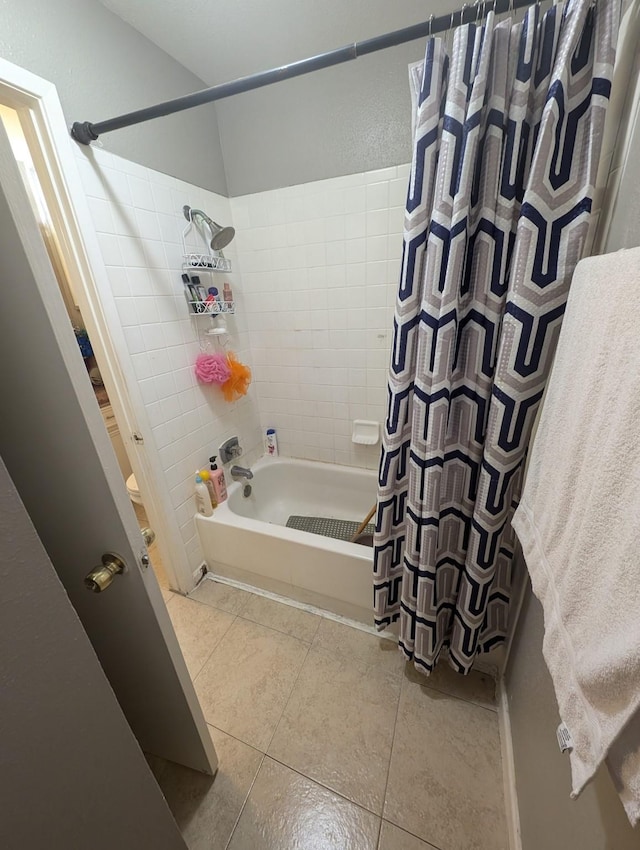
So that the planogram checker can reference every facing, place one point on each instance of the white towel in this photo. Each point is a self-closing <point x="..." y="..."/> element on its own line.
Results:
<point x="579" y="522"/>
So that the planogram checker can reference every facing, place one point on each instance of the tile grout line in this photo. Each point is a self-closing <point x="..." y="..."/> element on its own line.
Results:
<point x="240" y="614"/>
<point x="244" y="802"/>
<point x="217" y="644"/>
<point x="393" y="738"/>
<point x="455" y="696"/>
<point x="214" y="608"/>
<point x="310" y="778"/>
<point x="327" y="788"/>
<point x="235" y="737"/>
<point x="264" y="754"/>
<point x="429" y="845"/>
<point x="284" y="708"/>
<point x="249" y="789"/>
<point x="287" y="634"/>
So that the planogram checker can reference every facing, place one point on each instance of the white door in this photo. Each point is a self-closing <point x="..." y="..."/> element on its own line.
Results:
<point x="71" y="772"/>
<point x="56" y="448"/>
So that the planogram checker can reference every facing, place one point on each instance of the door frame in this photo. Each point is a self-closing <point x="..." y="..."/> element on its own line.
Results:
<point x="60" y="457"/>
<point x="40" y="112"/>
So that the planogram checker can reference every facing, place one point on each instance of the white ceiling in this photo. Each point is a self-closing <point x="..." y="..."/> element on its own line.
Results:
<point x="220" y="40"/>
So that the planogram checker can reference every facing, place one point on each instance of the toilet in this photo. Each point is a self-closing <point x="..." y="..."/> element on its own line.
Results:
<point x="132" y="490"/>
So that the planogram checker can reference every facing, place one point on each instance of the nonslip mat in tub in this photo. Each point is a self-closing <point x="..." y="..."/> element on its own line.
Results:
<point x="339" y="529"/>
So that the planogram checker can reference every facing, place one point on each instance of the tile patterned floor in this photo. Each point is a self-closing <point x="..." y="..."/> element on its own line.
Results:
<point x="326" y="739"/>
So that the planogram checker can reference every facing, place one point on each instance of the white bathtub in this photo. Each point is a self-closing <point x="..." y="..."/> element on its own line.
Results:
<point x="246" y="539"/>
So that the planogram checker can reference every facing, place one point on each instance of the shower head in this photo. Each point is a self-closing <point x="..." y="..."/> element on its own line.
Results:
<point x="220" y="236"/>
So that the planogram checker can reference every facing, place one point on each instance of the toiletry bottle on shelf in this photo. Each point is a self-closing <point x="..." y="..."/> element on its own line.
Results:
<point x="227" y="294"/>
<point x="271" y="442"/>
<point x="217" y="478"/>
<point x="202" y="292"/>
<point x="189" y="294"/>
<point x="203" y="500"/>
<point x="206" y="479"/>
<point x="213" y="300"/>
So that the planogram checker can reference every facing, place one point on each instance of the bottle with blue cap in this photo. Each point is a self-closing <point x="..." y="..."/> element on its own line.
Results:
<point x="271" y="442"/>
<point x="203" y="499"/>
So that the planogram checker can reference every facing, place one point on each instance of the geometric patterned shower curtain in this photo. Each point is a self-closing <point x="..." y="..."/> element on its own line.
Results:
<point x="507" y="137"/>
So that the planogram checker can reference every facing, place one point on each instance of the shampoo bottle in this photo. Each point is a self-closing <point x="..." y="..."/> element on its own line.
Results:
<point x="206" y="480"/>
<point x="203" y="500"/>
<point x="217" y="478"/>
<point x="271" y="442"/>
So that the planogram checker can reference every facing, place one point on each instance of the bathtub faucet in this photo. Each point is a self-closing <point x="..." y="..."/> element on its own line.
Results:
<point x="238" y="472"/>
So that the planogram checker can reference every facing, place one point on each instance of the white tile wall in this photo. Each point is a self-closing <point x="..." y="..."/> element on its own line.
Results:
<point x="137" y="214"/>
<point x="320" y="265"/>
<point x="315" y="276"/>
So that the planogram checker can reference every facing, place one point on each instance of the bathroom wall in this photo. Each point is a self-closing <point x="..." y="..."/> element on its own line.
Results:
<point x="102" y="67"/>
<point x="137" y="214"/>
<point x="549" y="819"/>
<point x="338" y="121"/>
<point x="320" y="265"/>
<point x="346" y="119"/>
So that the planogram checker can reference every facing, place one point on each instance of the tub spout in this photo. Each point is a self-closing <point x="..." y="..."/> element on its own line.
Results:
<point x="238" y="472"/>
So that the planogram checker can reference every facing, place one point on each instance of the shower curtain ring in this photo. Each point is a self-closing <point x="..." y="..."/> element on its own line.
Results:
<point x="451" y="21"/>
<point x="431" y="26"/>
<point x="463" y="10"/>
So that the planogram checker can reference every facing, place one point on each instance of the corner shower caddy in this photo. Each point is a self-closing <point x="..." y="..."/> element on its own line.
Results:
<point x="207" y="261"/>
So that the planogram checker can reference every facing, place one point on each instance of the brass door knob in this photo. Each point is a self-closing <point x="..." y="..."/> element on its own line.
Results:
<point x="101" y="577"/>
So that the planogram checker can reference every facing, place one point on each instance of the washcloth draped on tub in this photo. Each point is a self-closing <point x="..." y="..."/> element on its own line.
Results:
<point x="579" y="522"/>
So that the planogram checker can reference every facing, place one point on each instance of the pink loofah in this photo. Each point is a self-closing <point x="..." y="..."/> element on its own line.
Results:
<point x="212" y="368"/>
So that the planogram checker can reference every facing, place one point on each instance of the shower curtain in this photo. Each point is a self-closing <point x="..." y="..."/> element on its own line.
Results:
<point x="507" y="135"/>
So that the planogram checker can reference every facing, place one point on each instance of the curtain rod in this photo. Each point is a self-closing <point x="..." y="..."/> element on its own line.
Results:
<point x="86" y="132"/>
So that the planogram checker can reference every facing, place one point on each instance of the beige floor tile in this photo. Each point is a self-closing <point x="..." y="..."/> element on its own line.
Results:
<point x="221" y="596"/>
<point x="347" y="642"/>
<point x="199" y="629"/>
<point x="337" y="727"/>
<point x="206" y="809"/>
<point x="445" y="779"/>
<point x="244" y="686"/>
<point x="286" y="811"/>
<point x="283" y="618"/>
<point x="476" y="687"/>
<point x="393" y="838"/>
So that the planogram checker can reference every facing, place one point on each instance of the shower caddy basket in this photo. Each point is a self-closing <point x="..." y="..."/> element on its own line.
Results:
<point x="205" y="261"/>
